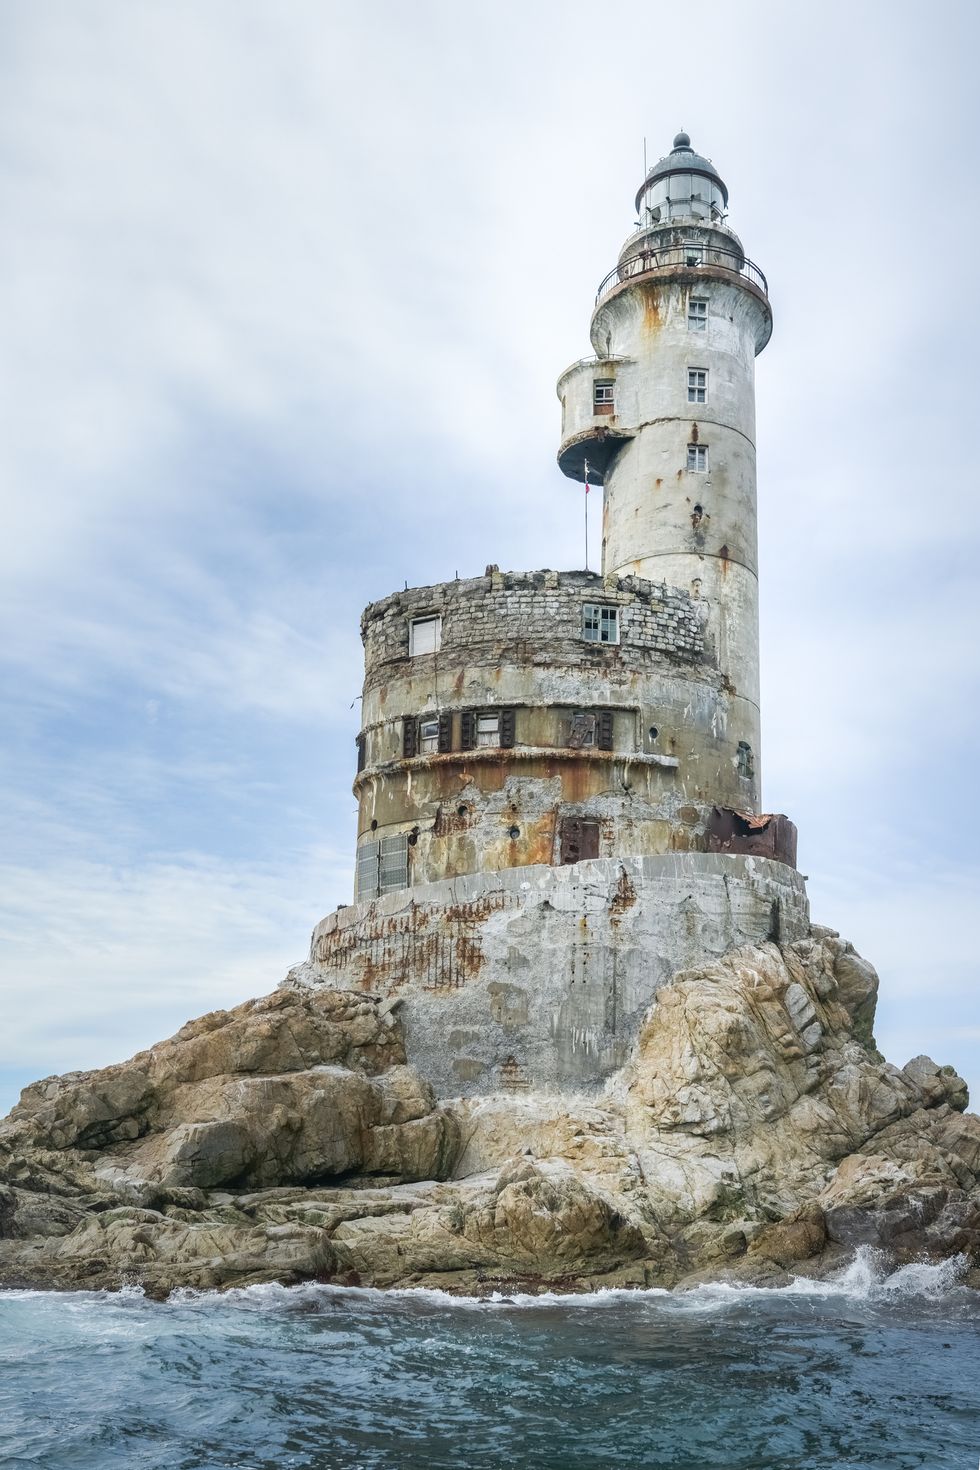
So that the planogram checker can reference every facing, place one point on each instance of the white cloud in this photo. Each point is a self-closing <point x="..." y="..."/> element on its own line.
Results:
<point x="284" y="299"/>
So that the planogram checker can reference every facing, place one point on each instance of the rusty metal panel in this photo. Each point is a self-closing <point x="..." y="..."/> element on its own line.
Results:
<point x="579" y="839"/>
<point x="772" y="835"/>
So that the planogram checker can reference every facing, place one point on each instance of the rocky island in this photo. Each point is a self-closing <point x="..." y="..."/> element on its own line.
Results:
<point x="754" y="1131"/>
<point x="577" y="1027"/>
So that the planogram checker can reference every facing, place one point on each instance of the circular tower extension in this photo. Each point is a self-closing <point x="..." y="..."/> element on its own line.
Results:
<point x="539" y="717"/>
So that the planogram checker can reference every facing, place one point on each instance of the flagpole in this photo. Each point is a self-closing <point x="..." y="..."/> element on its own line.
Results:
<point x="586" y="515"/>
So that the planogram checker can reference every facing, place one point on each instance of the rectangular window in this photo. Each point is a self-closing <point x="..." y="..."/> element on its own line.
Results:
<point x="367" y="870"/>
<point x="697" y="315"/>
<point x="697" y="385"/>
<point x="697" y="456"/>
<point x="487" y="730"/>
<point x="424" y="635"/>
<point x="600" y="624"/>
<point x="603" y="391"/>
<point x="428" y="737"/>
<point x="581" y="734"/>
<point x="361" y="753"/>
<point x="393" y="863"/>
<point x="579" y="839"/>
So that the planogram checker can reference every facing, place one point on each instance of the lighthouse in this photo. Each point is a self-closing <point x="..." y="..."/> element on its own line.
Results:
<point x="558" y="779"/>
<point x="664" y="418"/>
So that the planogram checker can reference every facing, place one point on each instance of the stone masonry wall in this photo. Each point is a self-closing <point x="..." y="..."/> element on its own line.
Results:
<point x="482" y="616"/>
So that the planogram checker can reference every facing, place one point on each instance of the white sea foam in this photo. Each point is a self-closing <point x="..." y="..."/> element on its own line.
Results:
<point x="866" y="1278"/>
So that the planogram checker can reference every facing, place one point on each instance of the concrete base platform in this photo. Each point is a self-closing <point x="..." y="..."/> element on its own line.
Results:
<point x="539" y="977"/>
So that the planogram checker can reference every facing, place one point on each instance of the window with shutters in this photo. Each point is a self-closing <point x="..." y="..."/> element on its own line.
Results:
<point x="600" y="624"/>
<point x="487" y="730"/>
<point x="582" y="732"/>
<point x="428" y="736"/>
<point x="424" y="635"/>
<point x="579" y="839"/>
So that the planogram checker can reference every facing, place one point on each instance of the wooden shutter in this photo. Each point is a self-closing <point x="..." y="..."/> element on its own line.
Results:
<point x="409" y="737"/>
<point x="361" y="752"/>
<point x="579" y="839"/>
<point x="467" y="729"/>
<point x="507" y="727"/>
<point x="604" y="729"/>
<point x="445" y="733"/>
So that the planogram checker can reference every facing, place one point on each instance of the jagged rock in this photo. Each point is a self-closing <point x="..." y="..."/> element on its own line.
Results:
<point x="755" y="1130"/>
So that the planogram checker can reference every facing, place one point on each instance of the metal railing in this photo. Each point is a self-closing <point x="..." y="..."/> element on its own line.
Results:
<point x="681" y="257"/>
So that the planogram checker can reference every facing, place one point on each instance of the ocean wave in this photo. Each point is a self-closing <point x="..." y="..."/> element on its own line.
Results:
<point x="868" y="1277"/>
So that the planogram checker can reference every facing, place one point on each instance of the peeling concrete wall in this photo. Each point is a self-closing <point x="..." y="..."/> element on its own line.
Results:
<point x="540" y="976"/>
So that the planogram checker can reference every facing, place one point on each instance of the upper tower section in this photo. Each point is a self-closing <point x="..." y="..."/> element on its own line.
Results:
<point x="664" y="413"/>
<point x="682" y="187"/>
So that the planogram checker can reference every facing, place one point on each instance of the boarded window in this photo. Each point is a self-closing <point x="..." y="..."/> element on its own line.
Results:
<point x="409" y="737"/>
<point x="424" y="635"/>
<point x="508" y="728"/>
<point x="445" y="733"/>
<point x="467" y="730"/>
<point x="361" y="753"/>
<point x="579" y="839"/>
<point x="604" y="730"/>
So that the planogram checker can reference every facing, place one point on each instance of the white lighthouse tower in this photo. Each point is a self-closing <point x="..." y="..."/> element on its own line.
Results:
<point x="664" y="416"/>
<point x="557" y="771"/>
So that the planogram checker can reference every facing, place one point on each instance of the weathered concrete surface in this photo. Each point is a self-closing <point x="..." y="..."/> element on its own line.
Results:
<point x="750" y="1133"/>
<point x="514" y="641"/>
<point x="538" y="977"/>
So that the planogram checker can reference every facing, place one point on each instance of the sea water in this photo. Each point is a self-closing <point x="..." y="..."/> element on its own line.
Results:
<point x="871" y="1369"/>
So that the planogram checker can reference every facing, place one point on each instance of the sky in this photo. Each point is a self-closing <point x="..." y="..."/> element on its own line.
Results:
<point x="285" y="290"/>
